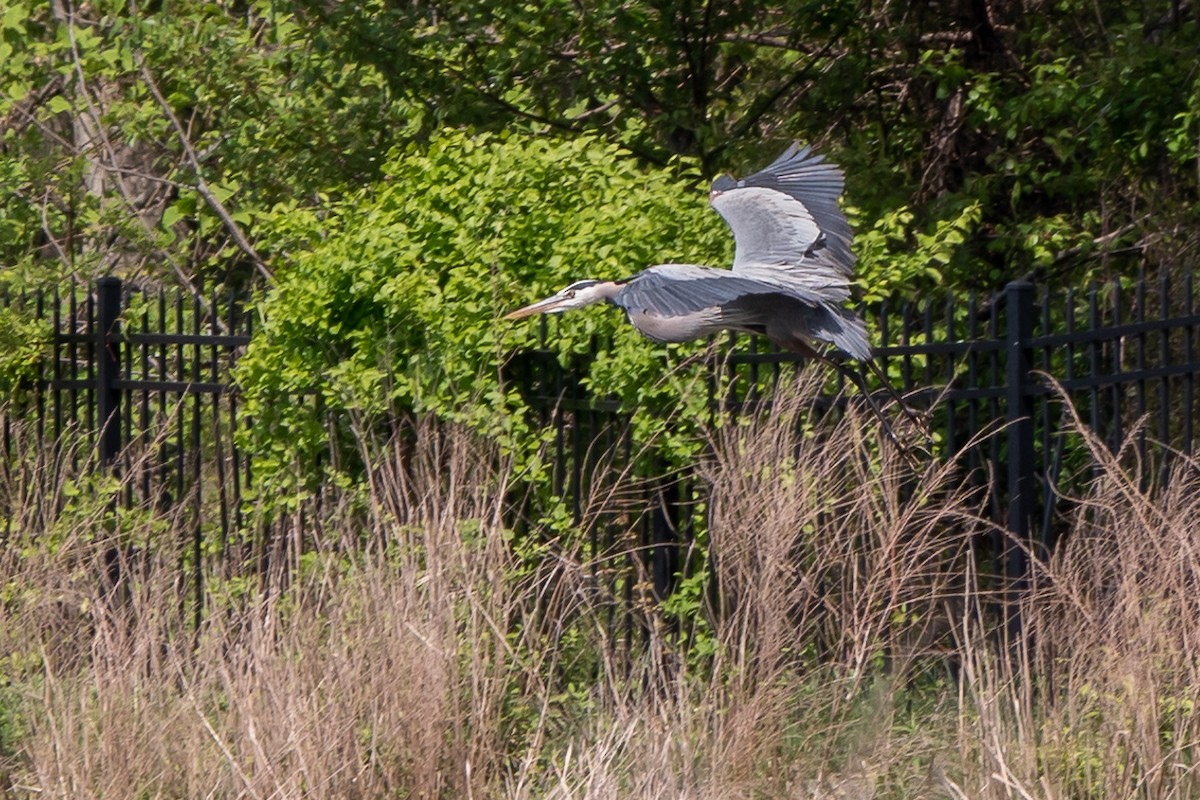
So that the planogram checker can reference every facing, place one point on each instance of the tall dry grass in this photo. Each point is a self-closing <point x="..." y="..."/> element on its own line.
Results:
<point x="421" y="650"/>
<point x="1102" y="702"/>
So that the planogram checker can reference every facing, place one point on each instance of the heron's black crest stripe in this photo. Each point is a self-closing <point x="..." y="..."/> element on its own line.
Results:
<point x="724" y="184"/>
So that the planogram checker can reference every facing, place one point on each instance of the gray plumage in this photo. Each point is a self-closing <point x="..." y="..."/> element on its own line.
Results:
<point x="788" y="215"/>
<point x="791" y="269"/>
<point x="790" y="279"/>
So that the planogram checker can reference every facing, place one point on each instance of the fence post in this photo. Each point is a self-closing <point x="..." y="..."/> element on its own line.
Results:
<point x="1019" y="418"/>
<point x="108" y="369"/>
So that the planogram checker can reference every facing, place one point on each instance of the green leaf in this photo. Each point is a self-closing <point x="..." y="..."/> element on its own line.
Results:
<point x="223" y="191"/>
<point x="171" y="215"/>
<point x="59" y="104"/>
<point x="14" y="17"/>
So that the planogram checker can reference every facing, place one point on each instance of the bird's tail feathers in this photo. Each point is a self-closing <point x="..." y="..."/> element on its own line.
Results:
<point x="847" y="332"/>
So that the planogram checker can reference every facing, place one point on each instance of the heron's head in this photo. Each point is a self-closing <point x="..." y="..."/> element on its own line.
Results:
<point x="721" y="185"/>
<point x="577" y="295"/>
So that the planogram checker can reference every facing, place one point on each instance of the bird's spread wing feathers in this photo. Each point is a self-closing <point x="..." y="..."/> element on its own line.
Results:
<point x="787" y="216"/>
<point x="676" y="290"/>
<point x="679" y="289"/>
<point x="691" y="301"/>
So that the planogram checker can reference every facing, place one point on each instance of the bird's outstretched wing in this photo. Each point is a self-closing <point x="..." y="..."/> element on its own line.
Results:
<point x="787" y="215"/>
<point x="682" y="289"/>
<point x="677" y="302"/>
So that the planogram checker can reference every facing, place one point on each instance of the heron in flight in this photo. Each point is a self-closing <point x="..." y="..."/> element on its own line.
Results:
<point x="790" y="280"/>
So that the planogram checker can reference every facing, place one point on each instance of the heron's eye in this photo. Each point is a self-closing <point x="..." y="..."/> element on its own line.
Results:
<point x="571" y="295"/>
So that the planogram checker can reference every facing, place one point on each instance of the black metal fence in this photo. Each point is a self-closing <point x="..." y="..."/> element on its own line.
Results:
<point x="144" y="379"/>
<point x="139" y="381"/>
<point x="992" y="372"/>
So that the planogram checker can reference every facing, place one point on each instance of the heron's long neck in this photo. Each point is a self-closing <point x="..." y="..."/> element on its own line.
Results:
<point x="605" y="290"/>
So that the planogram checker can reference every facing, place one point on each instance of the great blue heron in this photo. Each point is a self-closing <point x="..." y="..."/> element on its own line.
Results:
<point x="790" y="281"/>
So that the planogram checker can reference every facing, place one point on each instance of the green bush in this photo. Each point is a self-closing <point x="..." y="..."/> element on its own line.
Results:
<point x="396" y="300"/>
<point x="24" y="343"/>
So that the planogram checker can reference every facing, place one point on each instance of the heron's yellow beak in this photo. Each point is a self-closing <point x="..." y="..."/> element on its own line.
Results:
<point x="540" y="307"/>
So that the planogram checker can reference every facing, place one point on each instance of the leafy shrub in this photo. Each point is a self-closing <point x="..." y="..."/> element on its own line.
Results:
<point x="24" y="342"/>
<point x="395" y="296"/>
<point x="397" y="302"/>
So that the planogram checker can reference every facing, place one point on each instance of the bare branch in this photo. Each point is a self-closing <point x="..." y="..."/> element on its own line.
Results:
<point x="201" y="186"/>
<point x="591" y="112"/>
<point x="46" y="229"/>
<point x="30" y="103"/>
<point x="779" y="40"/>
<point x="766" y="102"/>
<point x="98" y="131"/>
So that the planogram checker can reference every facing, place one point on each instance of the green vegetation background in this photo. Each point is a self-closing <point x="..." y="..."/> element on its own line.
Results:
<point x="391" y="176"/>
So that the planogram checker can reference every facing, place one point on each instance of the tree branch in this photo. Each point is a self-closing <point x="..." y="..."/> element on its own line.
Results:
<point x="67" y="16"/>
<point x="766" y="102"/>
<point x="201" y="186"/>
<point x="29" y="104"/>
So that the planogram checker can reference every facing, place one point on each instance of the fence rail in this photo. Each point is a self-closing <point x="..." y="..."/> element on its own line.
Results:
<point x="146" y="379"/>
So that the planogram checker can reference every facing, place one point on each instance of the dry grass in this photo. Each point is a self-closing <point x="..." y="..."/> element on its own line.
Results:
<point x="1103" y="702"/>
<point x="422" y="651"/>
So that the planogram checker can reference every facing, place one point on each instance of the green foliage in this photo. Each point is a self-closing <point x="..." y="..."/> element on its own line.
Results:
<point x="1052" y="138"/>
<point x="14" y="726"/>
<point x="896" y="258"/>
<point x="144" y="143"/>
<point x="662" y="79"/>
<point x="397" y="303"/>
<point x="24" y="342"/>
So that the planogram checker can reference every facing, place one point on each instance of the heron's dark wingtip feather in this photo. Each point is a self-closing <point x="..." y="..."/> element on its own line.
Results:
<point x="800" y="169"/>
<point x="795" y="152"/>
<point x="846" y="331"/>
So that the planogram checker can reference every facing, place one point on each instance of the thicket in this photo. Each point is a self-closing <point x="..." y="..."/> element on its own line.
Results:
<point x="417" y="650"/>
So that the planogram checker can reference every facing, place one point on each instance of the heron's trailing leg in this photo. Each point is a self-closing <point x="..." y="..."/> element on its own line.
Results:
<point x="856" y="377"/>
<point x="918" y="422"/>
